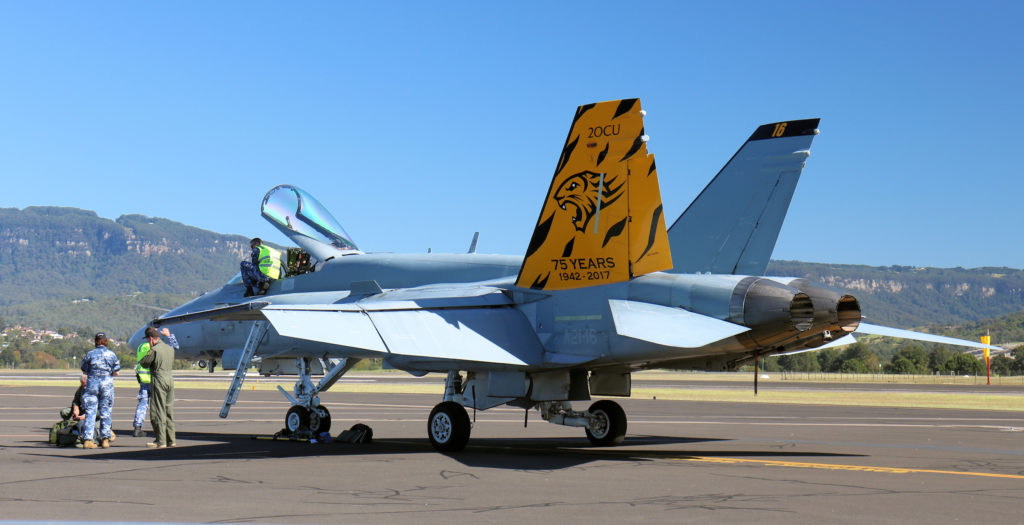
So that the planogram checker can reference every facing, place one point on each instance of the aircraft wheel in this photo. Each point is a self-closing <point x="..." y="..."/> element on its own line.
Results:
<point x="296" y="419"/>
<point x="448" y="427"/>
<point x="611" y="427"/>
<point x="319" y="420"/>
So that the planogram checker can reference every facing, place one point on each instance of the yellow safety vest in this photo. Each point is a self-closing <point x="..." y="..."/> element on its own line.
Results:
<point x="143" y="373"/>
<point x="270" y="262"/>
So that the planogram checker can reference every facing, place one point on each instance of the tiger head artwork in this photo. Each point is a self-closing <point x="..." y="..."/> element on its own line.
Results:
<point x="586" y="193"/>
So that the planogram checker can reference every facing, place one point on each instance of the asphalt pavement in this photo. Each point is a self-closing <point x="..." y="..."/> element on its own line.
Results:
<point x="692" y="462"/>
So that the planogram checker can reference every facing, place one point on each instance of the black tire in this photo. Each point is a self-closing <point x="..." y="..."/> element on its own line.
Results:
<point x="296" y="419"/>
<point x="612" y="428"/>
<point x="448" y="427"/>
<point x="319" y="420"/>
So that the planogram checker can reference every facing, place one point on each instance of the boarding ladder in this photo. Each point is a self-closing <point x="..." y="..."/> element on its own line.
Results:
<point x="256" y="333"/>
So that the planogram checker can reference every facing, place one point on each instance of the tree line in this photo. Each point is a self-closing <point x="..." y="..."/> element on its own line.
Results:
<point x="18" y="350"/>
<point x="22" y="350"/>
<point x="912" y="358"/>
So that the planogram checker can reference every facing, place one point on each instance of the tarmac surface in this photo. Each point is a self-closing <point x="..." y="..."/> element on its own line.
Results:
<point x="692" y="462"/>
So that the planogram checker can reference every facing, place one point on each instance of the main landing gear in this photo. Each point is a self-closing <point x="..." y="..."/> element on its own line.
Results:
<point x="449" y="426"/>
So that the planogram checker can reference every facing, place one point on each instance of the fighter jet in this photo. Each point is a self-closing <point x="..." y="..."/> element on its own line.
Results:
<point x="604" y="289"/>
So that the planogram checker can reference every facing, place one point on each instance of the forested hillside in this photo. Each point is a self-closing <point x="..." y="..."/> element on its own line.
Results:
<point x="66" y="268"/>
<point x="908" y="297"/>
<point x="49" y="253"/>
<point x="69" y="268"/>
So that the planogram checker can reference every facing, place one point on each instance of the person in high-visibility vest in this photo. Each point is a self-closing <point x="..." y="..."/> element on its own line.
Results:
<point x="145" y="379"/>
<point x="264" y="266"/>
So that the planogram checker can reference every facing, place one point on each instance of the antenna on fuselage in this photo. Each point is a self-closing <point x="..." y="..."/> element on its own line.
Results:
<point x="472" y="245"/>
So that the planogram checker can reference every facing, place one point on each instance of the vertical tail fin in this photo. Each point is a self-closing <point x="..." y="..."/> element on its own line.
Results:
<point x="732" y="226"/>
<point x="602" y="219"/>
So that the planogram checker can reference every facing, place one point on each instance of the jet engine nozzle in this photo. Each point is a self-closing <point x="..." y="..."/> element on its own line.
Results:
<point x="773" y="311"/>
<point x="848" y="310"/>
<point x="834" y="311"/>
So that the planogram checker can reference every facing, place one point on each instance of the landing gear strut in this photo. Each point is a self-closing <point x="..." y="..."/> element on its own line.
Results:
<point x="306" y="412"/>
<point x="448" y="426"/>
<point x="604" y="422"/>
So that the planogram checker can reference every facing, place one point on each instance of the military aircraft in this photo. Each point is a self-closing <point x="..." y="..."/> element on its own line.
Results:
<point x="604" y="289"/>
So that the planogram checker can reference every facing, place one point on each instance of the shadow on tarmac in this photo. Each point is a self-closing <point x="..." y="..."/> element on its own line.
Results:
<point x="500" y="453"/>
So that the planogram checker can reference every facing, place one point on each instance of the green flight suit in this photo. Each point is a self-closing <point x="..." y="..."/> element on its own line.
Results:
<point x="160" y="361"/>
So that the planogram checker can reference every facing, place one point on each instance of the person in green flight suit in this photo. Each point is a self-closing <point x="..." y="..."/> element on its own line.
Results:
<point x="160" y="361"/>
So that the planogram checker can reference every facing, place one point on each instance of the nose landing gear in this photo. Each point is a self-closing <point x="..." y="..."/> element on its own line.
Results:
<point x="306" y="412"/>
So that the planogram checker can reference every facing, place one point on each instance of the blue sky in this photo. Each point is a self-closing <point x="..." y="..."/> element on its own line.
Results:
<point x="420" y="123"/>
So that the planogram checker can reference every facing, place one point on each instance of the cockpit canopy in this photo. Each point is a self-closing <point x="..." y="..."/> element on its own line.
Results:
<point x="306" y="222"/>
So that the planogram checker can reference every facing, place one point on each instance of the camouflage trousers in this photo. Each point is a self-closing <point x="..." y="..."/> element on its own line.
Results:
<point x="140" y="409"/>
<point x="98" y="397"/>
<point x="251" y="274"/>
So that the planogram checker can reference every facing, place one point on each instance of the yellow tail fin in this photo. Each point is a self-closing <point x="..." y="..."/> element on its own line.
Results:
<point x="602" y="220"/>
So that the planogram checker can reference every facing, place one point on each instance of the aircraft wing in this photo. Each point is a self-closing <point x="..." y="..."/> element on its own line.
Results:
<point x="498" y="335"/>
<point x="461" y="324"/>
<point x="235" y="312"/>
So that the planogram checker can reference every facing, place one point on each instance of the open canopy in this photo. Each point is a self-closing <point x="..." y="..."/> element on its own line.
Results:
<point x="303" y="219"/>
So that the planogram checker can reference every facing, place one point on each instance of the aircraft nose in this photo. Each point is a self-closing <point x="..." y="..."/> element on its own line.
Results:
<point x="136" y="339"/>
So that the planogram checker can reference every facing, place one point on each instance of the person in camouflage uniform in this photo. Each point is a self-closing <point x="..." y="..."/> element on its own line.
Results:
<point x="99" y="366"/>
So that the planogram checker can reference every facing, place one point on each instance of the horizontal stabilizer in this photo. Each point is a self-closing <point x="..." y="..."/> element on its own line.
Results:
<point x="865" y="328"/>
<point x="835" y="343"/>
<point x="669" y="326"/>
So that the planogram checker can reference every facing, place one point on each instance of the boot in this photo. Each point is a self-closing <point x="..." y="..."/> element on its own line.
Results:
<point x="264" y="287"/>
<point x="248" y="292"/>
<point x="113" y="436"/>
<point x="139" y="432"/>
<point x="89" y="444"/>
<point x="105" y="443"/>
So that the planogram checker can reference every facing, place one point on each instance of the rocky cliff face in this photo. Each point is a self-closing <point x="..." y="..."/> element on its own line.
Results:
<point x="909" y="296"/>
<point x="49" y="252"/>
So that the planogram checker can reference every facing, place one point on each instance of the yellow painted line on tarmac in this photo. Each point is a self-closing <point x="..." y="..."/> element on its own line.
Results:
<point x="857" y="468"/>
